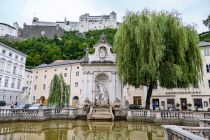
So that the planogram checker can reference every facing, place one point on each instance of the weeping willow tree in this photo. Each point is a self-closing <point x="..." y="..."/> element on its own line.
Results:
<point x="156" y="48"/>
<point x="59" y="92"/>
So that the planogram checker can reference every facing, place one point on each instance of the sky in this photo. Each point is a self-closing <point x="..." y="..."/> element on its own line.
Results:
<point x="23" y="11"/>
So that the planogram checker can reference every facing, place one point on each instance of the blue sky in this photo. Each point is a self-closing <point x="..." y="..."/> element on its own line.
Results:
<point x="192" y="11"/>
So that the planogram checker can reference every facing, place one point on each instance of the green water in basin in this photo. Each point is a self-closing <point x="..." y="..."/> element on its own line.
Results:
<point x="80" y="130"/>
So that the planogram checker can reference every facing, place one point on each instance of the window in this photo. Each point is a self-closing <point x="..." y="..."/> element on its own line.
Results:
<point x="20" y="70"/>
<point x="4" y="51"/>
<point x="209" y="83"/>
<point x="76" y="84"/>
<point x="16" y="98"/>
<point x="6" y="81"/>
<point x="9" y="64"/>
<point x="2" y="62"/>
<point x="44" y="86"/>
<point x="13" y="83"/>
<point x="45" y="76"/>
<point x="77" y="73"/>
<point x="14" y="70"/>
<point x="21" y="59"/>
<point x="170" y="102"/>
<point x="137" y="100"/>
<point x="65" y="74"/>
<point x="55" y="70"/>
<point x="206" y="52"/>
<point x="18" y="84"/>
<point x="10" y="98"/>
<point x="36" y="77"/>
<point x="198" y="103"/>
<point x="66" y="69"/>
<point x="35" y="86"/>
<point x="10" y="54"/>
<point x="208" y="68"/>
<point x="34" y="98"/>
<point x="16" y="57"/>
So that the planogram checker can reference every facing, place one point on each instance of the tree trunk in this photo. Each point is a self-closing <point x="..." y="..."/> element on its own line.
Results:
<point x="149" y="94"/>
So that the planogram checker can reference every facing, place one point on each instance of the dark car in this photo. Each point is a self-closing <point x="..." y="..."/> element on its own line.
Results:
<point x="27" y="106"/>
<point x="133" y="106"/>
<point x="2" y="103"/>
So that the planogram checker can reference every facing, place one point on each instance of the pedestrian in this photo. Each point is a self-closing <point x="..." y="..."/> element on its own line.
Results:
<point x="12" y="105"/>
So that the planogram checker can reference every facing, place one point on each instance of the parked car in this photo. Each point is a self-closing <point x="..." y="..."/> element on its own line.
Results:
<point x="27" y="106"/>
<point x="21" y="106"/>
<point x="37" y="106"/>
<point x="133" y="106"/>
<point x="2" y="103"/>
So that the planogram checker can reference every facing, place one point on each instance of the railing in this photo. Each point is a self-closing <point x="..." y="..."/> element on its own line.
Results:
<point x="164" y="115"/>
<point x="173" y="132"/>
<point x="35" y="114"/>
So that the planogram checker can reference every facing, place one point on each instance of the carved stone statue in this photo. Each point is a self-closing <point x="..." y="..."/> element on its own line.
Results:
<point x="103" y="38"/>
<point x="86" y="105"/>
<point x="117" y="103"/>
<point x="102" y="99"/>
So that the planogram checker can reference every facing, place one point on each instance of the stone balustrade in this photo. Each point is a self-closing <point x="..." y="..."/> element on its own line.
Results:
<point x="173" y="132"/>
<point x="167" y="115"/>
<point x="35" y="114"/>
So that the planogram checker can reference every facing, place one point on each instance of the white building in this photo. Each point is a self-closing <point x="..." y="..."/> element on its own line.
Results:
<point x="6" y="29"/>
<point x="86" y="23"/>
<point x="94" y="78"/>
<point x="12" y="67"/>
<point x="197" y="96"/>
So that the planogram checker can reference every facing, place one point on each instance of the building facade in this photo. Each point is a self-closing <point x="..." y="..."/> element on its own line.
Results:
<point x="93" y="77"/>
<point x="8" y="30"/>
<point x="86" y="23"/>
<point x="12" y="67"/>
<point x="27" y="83"/>
<point x="183" y="99"/>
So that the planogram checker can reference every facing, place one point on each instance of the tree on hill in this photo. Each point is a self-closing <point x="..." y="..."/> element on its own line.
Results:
<point x="70" y="46"/>
<point x="156" y="48"/>
<point x="206" y="22"/>
<point x="59" y="92"/>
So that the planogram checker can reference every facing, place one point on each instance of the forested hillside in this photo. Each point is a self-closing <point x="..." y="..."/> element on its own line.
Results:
<point x="70" y="46"/>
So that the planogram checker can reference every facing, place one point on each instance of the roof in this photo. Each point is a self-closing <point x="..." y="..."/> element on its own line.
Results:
<point x="204" y="43"/>
<point x="60" y="62"/>
<point x="7" y="25"/>
<point x="12" y="49"/>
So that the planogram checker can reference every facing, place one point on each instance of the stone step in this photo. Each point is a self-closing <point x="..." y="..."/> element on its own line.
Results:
<point x="100" y="113"/>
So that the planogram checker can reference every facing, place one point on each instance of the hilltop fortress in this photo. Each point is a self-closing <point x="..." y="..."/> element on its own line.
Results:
<point x="86" y="23"/>
<point x="50" y="29"/>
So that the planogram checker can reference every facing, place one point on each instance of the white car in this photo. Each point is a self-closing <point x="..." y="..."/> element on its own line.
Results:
<point x="37" y="106"/>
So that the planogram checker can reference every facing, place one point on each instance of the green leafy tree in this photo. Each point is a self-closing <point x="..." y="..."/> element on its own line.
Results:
<point x="59" y="92"/>
<point x="206" y="22"/>
<point x="156" y="48"/>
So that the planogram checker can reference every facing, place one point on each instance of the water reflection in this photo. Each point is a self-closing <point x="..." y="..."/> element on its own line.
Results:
<point x="80" y="130"/>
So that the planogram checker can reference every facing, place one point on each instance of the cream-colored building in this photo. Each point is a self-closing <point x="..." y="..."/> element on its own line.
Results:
<point x="43" y="74"/>
<point x="162" y="98"/>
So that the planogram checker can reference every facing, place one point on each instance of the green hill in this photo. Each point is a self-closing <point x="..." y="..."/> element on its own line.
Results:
<point x="70" y="46"/>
